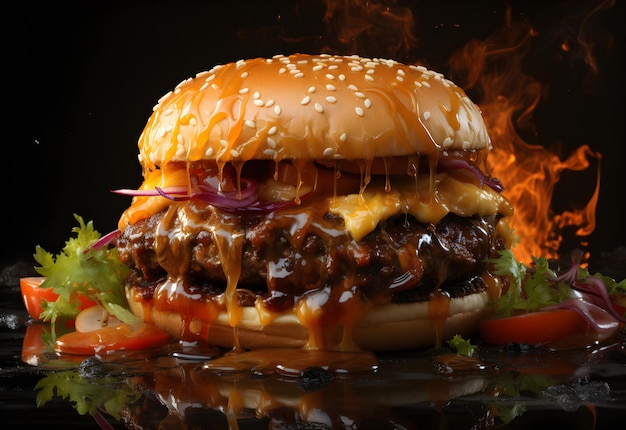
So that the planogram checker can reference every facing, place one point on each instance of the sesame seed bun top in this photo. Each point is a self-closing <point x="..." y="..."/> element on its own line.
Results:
<point x="311" y="107"/>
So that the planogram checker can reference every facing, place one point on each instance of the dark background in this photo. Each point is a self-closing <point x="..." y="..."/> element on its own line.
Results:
<point x="81" y="81"/>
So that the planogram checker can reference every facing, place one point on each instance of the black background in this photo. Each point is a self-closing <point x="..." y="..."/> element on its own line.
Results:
<point x="81" y="81"/>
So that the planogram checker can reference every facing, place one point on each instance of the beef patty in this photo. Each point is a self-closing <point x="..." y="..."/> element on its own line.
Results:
<point x="287" y="253"/>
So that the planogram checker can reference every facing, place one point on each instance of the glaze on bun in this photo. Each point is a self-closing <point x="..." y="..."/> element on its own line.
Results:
<point x="314" y="201"/>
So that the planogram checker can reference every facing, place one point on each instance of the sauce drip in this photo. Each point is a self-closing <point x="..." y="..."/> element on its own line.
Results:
<point x="438" y="311"/>
<point x="229" y="239"/>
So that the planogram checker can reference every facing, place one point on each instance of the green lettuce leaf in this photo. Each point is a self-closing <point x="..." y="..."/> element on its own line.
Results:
<point x="81" y="268"/>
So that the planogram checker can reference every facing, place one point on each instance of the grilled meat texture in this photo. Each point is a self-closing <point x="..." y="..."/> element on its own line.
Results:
<point x="285" y="254"/>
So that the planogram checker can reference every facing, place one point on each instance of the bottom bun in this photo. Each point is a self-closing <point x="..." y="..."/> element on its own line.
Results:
<point x="394" y="326"/>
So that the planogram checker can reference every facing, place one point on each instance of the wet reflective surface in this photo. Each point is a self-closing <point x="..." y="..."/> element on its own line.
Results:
<point x="177" y="387"/>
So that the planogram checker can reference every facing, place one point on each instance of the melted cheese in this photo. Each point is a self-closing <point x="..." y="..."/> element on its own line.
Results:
<point x="362" y="212"/>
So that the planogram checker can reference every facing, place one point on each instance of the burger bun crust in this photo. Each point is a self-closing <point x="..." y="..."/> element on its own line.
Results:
<point x="396" y="326"/>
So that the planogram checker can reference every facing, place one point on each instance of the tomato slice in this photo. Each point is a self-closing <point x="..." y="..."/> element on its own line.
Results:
<point x="532" y="328"/>
<point x="33" y="296"/>
<point x="107" y="339"/>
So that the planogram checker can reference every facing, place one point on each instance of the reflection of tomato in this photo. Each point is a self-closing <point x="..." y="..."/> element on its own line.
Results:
<point x="532" y="328"/>
<point x="34" y="296"/>
<point x="33" y="344"/>
<point x="106" y="339"/>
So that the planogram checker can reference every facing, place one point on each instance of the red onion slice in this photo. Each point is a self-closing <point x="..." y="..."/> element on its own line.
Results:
<point x="452" y="164"/>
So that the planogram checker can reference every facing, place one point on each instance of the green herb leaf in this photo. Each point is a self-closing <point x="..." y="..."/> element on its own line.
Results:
<point x="528" y="290"/>
<point x="462" y="346"/>
<point x="96" y="273"/>
<point x="86" y="394"/>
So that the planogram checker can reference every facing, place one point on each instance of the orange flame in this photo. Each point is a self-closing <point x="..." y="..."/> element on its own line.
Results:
<point x="529" y="172"/>
<point x="493" y="70"/>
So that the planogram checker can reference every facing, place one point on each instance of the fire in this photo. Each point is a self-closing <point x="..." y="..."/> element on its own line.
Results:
<point x="491" y="72"/>
<point x="529" y="172"/>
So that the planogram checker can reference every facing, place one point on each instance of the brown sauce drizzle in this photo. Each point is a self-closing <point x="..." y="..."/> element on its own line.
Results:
<point x="329" y="316"/>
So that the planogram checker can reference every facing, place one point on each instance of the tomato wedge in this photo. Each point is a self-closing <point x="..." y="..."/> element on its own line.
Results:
<point x="108" y="339"/>
<point x="33" y="296"/>
<point x="533" y="328"/>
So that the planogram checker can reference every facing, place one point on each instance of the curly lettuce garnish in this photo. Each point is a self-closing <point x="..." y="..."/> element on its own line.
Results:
<point x="88" y="395"/>
<point x="537" y="287"/>
<point x="462" y="346"/>
<point x="82" y="268"/>
<point x="529" y="290"/>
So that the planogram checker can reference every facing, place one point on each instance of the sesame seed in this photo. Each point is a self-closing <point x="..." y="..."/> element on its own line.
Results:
<point x="370" y="71"/>
<point x="291" y="66"/>
<point x="224" y="143"/>
<point x="352" y="87"/>
<point x="164" y="97"/>
<point x="244" y="90"/>
<point x="209" y="78"/>
<point x="330" y="87"/>
<point x="244" y="75"/>
<point x="400" y="72"/>
<point x="204" y="86"/>
<point x="250" y="123"/>
<point x="258" y="102"/>
<point x="330" y="76"/>
<point x="418" y="84"/>
<point x="399" y="78"/>
<point x="356" y="68"/>
<point x="282" y="70"/>
<point x="277" y="110"/>
<point x="369" y="77"/>
<point x="272" y="130"/>
<point x="319" y="107"/>
<point x="342" y="77"/>
<point x="269" y="152"/>
<point x="426" y="115"/>
<point x="359" y="111"/>
<point x="448" y="141"/>
<point x="215" y="86"/>
<point x="234" y="153"/>
<point x="256" y="95"/>
<point x="359" y="94"/>
<point x="269" y="103"/>
<point x="331" y="99"/>
<point x="328" y="152"/>
<point x="343" y="137"/>
<point x="318" y="68"/>
<point x="421" y="68"/>
<point x="367" y="103"/>
<point x="240" y="63"/>
<point x="298" y="75"/>
<point x="311" y="89"/>
<point x="271" y="143"/>
<point x="305" y="100"/>
<point x="193" y="121"/>
<point x="426" y="84"/>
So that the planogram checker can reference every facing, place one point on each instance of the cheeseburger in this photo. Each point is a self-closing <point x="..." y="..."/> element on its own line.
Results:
<point x="319" y="201"/>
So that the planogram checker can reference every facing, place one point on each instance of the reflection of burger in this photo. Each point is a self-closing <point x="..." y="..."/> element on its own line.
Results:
<point x="320" y="201"/>
<point x="183" y="395"/>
